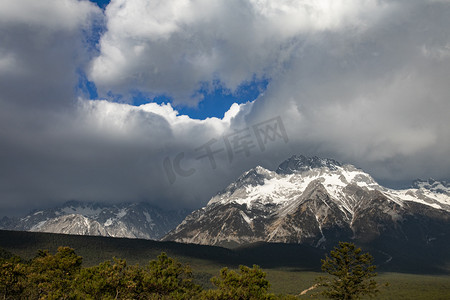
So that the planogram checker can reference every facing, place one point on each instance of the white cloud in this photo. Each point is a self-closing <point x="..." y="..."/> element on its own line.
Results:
<point x="151" y="121"/>
<point x="174" y="46"/>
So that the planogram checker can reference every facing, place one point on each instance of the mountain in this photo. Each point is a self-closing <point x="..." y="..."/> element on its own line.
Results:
<point x="131" y="220"/>
<point x="440" y="187"/>
<point x="317" y="201"/>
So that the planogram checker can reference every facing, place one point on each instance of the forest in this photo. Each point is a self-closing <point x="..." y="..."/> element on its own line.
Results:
<point x="89" y="267"/>
<point x="61" y="276"/>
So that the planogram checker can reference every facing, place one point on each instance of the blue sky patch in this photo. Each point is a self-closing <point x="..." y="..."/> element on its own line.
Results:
<point x="101" y="3"/>
<point x="216" y="99"/>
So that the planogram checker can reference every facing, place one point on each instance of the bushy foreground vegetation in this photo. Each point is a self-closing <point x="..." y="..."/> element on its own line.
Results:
<point x="61" y="276"/>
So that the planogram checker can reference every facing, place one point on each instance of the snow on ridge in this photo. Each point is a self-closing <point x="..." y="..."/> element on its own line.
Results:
<point x="279" y="189"/>
<point x="333" y="179"/>
<point x="273" y="188"/>
<point x="147" y="217"/>
<point x="38" y="226"/>
<point x="422" y="196"/>
<point x="122" y="213"/>
<point x="245" y="217"/>
<point x="432" y="185"/>
<point x="108" y="222"/>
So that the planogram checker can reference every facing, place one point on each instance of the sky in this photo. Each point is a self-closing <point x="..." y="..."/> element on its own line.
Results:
<point x="169" y="101"/>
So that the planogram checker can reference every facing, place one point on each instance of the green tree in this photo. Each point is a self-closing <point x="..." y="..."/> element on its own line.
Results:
<point x="12" y="276"/>
<point x="163" y="278"/>
<point x="51" y="276"/>
<point x="249" y="283"/>
<point x="166" y="276"/>
<point x="109" y="280"/>
<point x="351" y="273"/>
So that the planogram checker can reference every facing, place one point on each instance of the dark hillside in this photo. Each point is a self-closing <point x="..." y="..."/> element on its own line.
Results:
<point x="95" y="249"/>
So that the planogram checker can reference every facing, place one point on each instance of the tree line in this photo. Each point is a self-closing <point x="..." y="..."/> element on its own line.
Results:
<point x="61" y="276"/>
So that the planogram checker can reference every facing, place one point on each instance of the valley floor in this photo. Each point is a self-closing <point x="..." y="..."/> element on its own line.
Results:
<point x="401" y="286"/>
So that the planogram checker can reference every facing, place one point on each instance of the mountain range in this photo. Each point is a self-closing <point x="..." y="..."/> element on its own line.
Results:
<point x="317" y="201"/>
<point x="306" y="200"/>
<point x="130" y="220"/>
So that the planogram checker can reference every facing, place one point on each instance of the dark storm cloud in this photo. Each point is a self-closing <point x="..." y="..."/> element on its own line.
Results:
<point x="41" y="47"/>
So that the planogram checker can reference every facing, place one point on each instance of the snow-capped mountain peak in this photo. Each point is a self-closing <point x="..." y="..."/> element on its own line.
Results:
<point x="263" y="186"/>
<point x="432" y="185"/>
<point x="312" y="200"/>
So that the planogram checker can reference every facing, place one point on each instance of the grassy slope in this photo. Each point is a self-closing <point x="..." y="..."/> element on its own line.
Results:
<point x="290" y="268"/>
<point x="401" y="286"/>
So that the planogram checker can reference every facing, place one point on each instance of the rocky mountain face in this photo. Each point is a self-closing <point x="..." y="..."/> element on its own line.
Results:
<point x="318" y="202"/>
<point x="130" y="220"/>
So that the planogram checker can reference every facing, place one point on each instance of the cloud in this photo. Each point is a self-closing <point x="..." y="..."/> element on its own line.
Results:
<point x="375" y="97"/>
<point x="365" y="82"/>
<point x="64" y="15"/>
<point x="41" y="47"/>
<point x="42" y="44"/>
<point x="175" y="47"/>
<point x="111" y="152"/>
